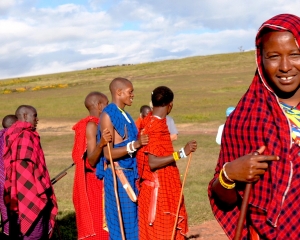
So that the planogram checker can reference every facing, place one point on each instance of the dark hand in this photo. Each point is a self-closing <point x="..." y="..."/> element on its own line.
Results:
<point x="191" y="146"/>
<point x="143" y="140"/>
<point x="250" y="167"/>
<point x="105" y="137"/>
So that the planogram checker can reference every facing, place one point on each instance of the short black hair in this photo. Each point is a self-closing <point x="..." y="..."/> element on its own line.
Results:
<point x="144" y="107"/>
<point x="162" y="96"/>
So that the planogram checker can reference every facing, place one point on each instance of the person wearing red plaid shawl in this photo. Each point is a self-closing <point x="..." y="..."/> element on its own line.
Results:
<point x="87" y="189"/>
<point x="264" y="122"/>
<point x="160" y="185"/>
<point x="28" y="195"/>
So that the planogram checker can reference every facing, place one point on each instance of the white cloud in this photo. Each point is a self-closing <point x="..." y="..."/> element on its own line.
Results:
<point x="37" y="40"/>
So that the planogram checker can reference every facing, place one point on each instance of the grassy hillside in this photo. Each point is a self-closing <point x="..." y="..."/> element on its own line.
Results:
<point x="206" y="83"/>
<point x="204" y="87"/>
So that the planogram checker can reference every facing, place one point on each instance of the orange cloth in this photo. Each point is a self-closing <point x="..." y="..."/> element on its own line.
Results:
<point x="87" y="189"/>
<point x="138" y="122"/>
<point x="169" y="185"/>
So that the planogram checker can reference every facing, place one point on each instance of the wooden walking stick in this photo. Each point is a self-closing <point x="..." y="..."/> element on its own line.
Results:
<point x="116" y="191"/>
<point x="180" y="198"/>
<point x="243" y="212"/>
<point x="244" y="209"/>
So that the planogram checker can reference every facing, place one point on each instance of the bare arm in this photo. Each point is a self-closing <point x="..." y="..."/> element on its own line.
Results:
<point x="173" y="137"/>
<point x="159" y="162"/>
<point x="93" y="149"/>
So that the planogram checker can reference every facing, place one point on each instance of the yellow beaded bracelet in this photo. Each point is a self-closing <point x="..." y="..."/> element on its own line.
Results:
<point x="223" y="183"/>
<point x="175" y="156"/>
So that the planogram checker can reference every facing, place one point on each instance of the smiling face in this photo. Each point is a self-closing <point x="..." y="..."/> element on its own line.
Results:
<point x="281" y="64"/>
<point x="126" y="94"/>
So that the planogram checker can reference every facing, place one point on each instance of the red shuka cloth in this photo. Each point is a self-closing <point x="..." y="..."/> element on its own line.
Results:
<point x="258" y="120"/>
<point x="169" y="185"/>
<point x="27" y="184"/>
<point x="87" y="189"/>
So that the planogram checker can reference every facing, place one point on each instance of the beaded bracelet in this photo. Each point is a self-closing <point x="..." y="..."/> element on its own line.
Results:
<point x="175" y="156"/>
<point x="225" y="174"/>
<point x="223" y="183"/>
<point x="129" y="151"/>
<point x="132" y="146"/>
<point x="182" y="153"/>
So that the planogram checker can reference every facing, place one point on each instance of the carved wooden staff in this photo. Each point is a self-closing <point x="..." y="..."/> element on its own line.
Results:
<point x="116" y="191"/>
<point x="180" y="198"/>
<point x="244" y="209"/>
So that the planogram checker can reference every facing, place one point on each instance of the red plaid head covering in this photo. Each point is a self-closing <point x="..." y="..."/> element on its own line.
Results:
<point x="256" y="121"/>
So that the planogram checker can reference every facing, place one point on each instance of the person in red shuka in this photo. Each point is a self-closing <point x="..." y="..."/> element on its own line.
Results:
<point x="261" y="141"/>
<point x="159" y="182"/>
<point x="88" y="190"/>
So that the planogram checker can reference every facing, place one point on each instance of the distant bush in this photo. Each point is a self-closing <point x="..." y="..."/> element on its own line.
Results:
<point x="36" y="88"/>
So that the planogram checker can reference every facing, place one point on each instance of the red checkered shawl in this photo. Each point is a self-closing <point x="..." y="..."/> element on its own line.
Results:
<point x="81" y="203"/>
<point x="258" y="120"/>
<point x="27" y="182"/>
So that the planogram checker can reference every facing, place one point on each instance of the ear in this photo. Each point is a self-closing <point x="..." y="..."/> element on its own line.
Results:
<point x="100" y="106"/>
<point x="25" y="117"/>
<point x="119" y="91"/>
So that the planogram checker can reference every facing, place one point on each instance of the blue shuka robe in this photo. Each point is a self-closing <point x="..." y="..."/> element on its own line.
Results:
<point x="128" y="208"/>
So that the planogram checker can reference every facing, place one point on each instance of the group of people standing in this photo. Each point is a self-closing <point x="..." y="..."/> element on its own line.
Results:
<point x="144" y="162"/>
<point x="258" y="165"/>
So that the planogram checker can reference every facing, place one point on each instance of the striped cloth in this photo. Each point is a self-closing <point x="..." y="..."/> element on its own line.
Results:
<point x="169" y="186"/>
<point x="128" y="208"/>
<point x="259" y="120"/>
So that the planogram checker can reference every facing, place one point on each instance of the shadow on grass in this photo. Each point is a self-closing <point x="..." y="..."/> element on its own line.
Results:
<point x="65" y="228"/>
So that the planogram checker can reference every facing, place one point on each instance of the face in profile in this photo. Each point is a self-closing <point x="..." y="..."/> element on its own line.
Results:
<point x="127" y="94"/>
<point x="102" y="103"/>
<point x="281" y="62"/>
<point x="31" y="117"/>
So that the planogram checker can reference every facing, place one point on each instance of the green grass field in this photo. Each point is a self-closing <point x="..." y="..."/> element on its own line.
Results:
<point x="203" y="86"/>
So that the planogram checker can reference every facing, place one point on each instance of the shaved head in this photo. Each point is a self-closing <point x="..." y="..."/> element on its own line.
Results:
<point x="27" y="113"/>
<point x="93" y="99"/>
<point x="9" y="120"/>
<point x="23" y="109"/>
<point x="118" y="83"/>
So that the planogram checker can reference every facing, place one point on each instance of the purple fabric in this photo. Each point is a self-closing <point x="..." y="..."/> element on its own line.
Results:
<point x="3" y="211"/>
<point x="39" y="229"/>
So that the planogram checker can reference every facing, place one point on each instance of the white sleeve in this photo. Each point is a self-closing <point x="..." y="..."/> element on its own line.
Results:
<point x="219" y="134"/>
